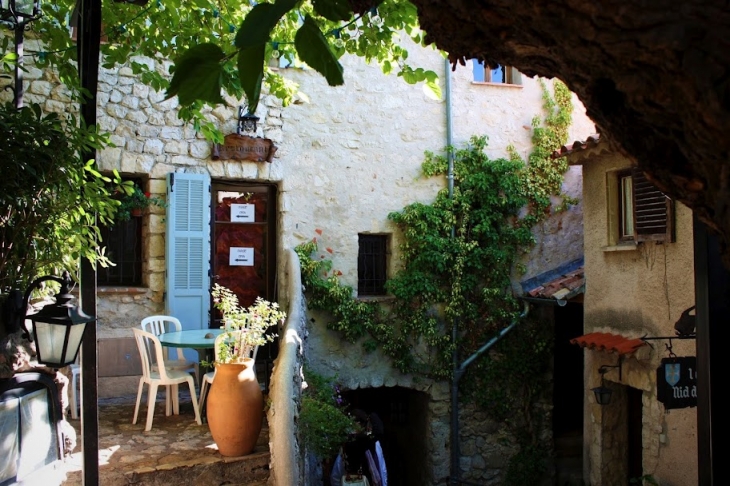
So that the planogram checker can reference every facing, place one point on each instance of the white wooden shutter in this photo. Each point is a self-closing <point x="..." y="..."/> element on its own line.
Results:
<point x="188" y="249"/>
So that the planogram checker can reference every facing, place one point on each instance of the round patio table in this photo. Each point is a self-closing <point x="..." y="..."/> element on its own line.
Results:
<point x="201" y="340"/>
<point x="191" y="338"/>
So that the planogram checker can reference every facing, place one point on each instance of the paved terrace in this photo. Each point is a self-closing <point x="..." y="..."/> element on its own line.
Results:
<point x="176" y="451"/>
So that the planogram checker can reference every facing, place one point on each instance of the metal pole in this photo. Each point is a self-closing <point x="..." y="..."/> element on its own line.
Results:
<point x="712" y="298"/>
<point x="19" y="28"/>
<point x="89" y="38"/>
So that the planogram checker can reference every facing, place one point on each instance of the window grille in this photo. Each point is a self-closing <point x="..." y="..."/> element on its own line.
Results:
<point x="372" y="264"/>
<point x="123" y="242"/>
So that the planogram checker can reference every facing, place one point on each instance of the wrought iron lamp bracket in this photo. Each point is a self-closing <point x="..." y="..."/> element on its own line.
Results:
<point x="603" y="369"/>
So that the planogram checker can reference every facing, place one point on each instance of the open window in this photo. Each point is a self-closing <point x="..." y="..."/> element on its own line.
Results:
<point x="637" y="210"/>
<point x="497" y="75"/>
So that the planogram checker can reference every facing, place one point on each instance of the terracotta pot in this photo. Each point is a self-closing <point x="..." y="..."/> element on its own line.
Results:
<point x="235" y="408"/>
<point x="136" y="212"/>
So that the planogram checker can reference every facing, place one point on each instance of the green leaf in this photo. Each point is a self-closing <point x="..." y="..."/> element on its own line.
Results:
<point x="432" y="90"/>
<point x="198" y="75"/>
<point x="251" y="73"/>
<point x="314" y="50"/>
<point x="256" y="27"/>
<point x="333" y="10"/>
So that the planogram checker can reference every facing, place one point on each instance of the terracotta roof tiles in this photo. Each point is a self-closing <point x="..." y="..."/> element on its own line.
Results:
<point x="611" y="343"/>
<point x="577" y="146"/>
<point x="563" y="287"/>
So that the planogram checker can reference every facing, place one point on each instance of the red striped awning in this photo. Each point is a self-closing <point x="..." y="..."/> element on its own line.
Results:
<point x="611" y="343"/>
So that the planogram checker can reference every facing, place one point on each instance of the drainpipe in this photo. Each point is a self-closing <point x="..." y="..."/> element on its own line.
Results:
<point x="459" y="370"/>
<point x="458" y="373"/>
<point x="455" y="453"/>
<point x="449" y="131"/>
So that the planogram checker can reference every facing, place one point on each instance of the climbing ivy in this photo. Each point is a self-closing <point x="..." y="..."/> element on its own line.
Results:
<point x="459" y="255"/>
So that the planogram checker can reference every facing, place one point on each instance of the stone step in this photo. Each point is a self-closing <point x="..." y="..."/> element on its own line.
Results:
<point x="249" y="470"/>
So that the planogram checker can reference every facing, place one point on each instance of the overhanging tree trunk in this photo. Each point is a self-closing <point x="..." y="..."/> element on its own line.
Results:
<point x="653" y="76"/>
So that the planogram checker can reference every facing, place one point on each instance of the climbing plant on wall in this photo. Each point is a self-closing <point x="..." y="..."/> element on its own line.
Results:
<point x="459" y="255"/>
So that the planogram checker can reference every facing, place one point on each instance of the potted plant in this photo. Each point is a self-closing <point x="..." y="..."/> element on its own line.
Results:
<point x="235" y="406"/>
<point x="134" y="201"/>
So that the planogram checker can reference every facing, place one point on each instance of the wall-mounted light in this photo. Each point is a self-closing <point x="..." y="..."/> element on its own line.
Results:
<point x="602" y="392"/>
<point x="246" y="122"/>
<point x="58" y="328"/>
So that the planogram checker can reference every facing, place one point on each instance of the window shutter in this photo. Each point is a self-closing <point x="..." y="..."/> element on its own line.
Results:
<point x="653" y="211"/>
<point x="188" y="249"/>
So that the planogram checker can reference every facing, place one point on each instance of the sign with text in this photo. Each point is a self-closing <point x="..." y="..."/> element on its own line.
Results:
<point x="242" y="147"/>
<point x="676" y="381"/>
<point x="241" y="257"/>
<point x="243" y="213"/>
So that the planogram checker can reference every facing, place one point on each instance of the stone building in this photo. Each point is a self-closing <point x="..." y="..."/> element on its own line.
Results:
<point x="638" y="336"/>
<point x="345" y="158"/>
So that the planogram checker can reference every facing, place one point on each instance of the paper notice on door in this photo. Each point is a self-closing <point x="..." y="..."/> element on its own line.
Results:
<point x="243" y="213"/>
<point x="241" y="257"/>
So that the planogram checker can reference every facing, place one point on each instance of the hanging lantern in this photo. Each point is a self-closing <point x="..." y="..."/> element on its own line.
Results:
<point x="603" y="394"/>
<point x="19" y="12"/>
<point x="58" y="328"/>
<point x="246" y="122"/>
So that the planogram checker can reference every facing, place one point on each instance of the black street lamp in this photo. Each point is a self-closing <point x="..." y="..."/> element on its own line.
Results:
<point x="603" y="393"/>
<point x="16" y="15"/>
<point x="58" y="328"/>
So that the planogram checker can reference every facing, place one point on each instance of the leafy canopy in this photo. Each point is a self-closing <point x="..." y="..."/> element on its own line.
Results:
<point x="49" y="196"/>
<point x="227" y="48"/>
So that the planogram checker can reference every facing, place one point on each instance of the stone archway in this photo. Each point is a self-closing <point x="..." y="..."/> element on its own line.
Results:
<point x="406" y="438"/>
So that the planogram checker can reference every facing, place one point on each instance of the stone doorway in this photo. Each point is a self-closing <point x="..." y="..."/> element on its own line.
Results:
<point x="405" y="416"/>
<point x="621" y="435"/>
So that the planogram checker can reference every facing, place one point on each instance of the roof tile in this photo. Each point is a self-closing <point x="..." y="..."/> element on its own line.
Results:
<point x="611" y="343"/>
<point x="562" y="286"/>
<point x="577" y="146"/>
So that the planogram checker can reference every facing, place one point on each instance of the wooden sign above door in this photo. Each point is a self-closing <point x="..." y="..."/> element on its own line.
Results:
<point x="242" y="147"/>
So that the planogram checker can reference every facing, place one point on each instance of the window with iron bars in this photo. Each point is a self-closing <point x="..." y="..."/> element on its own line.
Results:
<point x="372" y="264"/>
<point x="123" y="243"/>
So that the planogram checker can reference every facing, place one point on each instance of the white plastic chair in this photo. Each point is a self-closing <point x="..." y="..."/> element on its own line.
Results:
<point x="207" y="379"/>
<point x="150" y="352"/>
<point x="161" y="324"/>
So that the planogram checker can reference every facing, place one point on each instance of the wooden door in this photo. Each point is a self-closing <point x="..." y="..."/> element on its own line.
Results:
<point x="244" y="243"/>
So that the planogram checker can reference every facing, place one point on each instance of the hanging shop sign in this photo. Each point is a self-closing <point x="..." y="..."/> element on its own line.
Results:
<point x="243" y="147"/>
<point x="676" y="381"/>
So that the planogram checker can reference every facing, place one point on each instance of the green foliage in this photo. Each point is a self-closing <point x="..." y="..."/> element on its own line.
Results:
<point x="226" y="48"/>
<point x="254" y="321"/>
<point x="134" y="198"/>
<point x="323" y="423"/>
<point x="49" y="196"/>
<point x="458" y="255"/>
